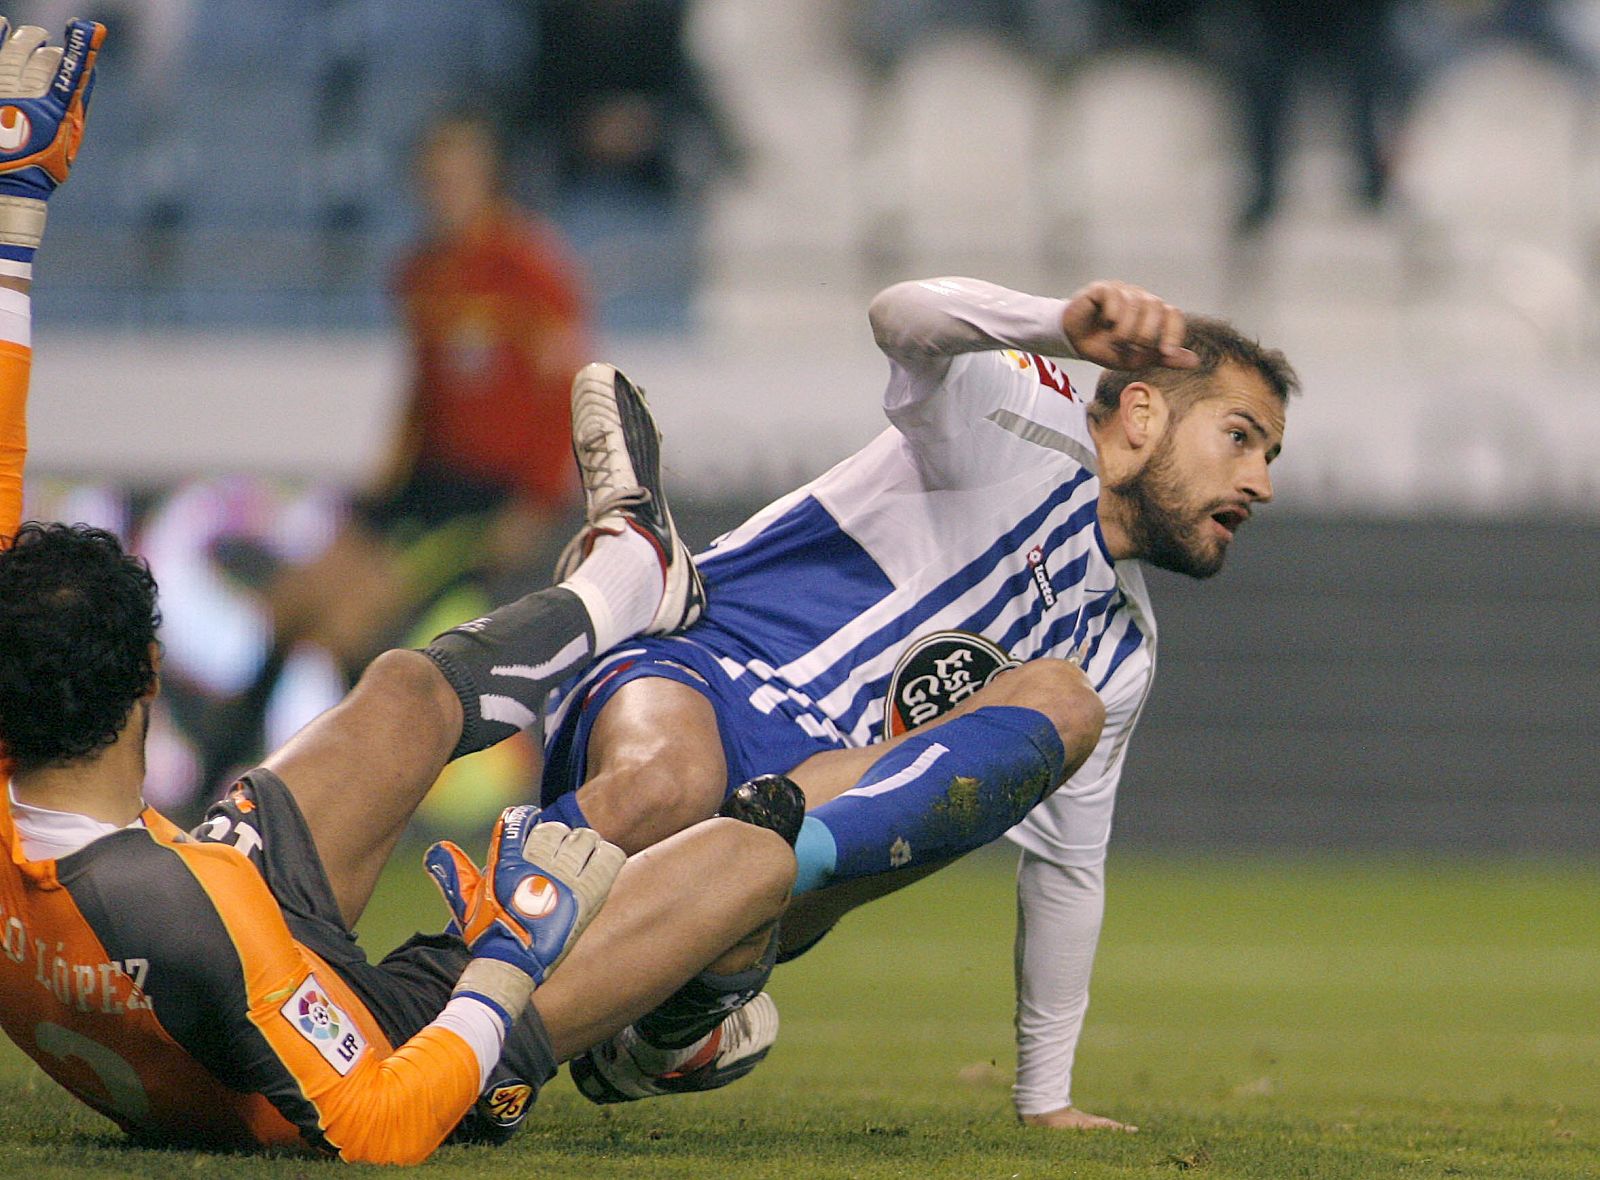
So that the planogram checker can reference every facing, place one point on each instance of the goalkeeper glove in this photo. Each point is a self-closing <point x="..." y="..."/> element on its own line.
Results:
<point x="541" y="885"/>
<point x="44" y="97"/>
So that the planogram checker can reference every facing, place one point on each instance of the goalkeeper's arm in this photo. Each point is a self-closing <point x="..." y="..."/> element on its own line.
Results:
<point x="44" y="96"/>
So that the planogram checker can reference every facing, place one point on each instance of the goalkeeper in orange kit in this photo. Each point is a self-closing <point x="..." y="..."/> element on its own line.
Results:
<point x="206" y="988"/>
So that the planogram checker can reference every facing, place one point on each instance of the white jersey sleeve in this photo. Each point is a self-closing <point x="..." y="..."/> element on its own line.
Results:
<point x="1059" y="908"/>
<point x="967" y="375"/>
<point x="1061" y="884"/>
<point x="921" y="326"/>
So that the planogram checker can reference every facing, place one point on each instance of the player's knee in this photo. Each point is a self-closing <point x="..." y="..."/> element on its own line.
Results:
<point x="411" y="685"/>
<point x="1060" y="690"/>
<point x="648" y="794"/>
<point x="757" y="866"/>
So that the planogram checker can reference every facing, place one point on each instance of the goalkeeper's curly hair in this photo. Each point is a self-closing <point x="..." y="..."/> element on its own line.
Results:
<point x="78" y="617"/>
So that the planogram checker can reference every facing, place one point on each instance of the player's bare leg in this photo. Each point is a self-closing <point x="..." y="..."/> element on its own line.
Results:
<point x="360" y="770"/>
<point x="655" y="764"/>
<point x="654" y="933"/>
<point x="812" y="915"/>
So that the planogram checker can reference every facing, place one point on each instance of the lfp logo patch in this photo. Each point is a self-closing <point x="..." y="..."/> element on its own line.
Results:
<point x="319" y="1020"/>
<point x="937" y="673"/>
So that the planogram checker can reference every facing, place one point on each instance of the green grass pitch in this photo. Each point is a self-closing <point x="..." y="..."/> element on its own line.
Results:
<point x="1257" y="1018"/>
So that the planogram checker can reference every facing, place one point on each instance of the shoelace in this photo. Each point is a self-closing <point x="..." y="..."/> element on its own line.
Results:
<point x="604" y="500"/>
<point x="592" y="451"/>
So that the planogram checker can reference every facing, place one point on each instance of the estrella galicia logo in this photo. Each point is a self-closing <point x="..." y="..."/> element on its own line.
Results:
<point x="937" y="673"/>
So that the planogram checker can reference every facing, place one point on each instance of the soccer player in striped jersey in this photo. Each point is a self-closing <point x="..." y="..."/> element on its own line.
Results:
<point x="947" y="636"/>
<point x="205" y="988"/>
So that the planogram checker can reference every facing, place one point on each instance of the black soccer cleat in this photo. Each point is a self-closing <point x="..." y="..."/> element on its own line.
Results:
<point x="618" y="449"/>
<point x="770" y="801"/>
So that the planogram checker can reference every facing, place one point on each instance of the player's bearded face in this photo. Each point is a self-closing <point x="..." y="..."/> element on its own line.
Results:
<point x="1167" y="524"/>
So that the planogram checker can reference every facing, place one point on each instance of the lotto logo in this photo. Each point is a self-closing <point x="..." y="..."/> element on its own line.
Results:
<point x="1041" y="577"/>
<point x="535" y="897"/>
<point x="15" y="129"/>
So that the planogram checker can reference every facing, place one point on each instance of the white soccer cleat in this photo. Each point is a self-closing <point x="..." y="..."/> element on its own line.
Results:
<point x="618" y="449"/>
<point x="611" y="1072"/>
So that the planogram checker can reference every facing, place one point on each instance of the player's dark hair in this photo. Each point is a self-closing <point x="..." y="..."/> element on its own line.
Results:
<point x="1216" y="342"/>
<point x="77" y="619"/>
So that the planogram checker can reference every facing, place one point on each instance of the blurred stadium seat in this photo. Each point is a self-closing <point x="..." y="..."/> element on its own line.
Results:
<point x="1142" y="165"/>
<point x="1500" y="176"/>
<point x="960" y="183"/>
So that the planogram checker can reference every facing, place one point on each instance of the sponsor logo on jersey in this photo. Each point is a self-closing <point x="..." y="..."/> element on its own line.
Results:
<point x="505" y="1105"/>
<point x="1041" y="576"/>
<point x="535" y="897"/>
<point x="15" y="129"/>
<point x="1051" y="375"/>
<point x="935" y="674"/>
<point x="322" y="1022"/>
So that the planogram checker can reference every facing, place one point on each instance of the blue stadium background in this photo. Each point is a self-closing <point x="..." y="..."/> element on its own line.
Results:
<point x="1402" y="653"/>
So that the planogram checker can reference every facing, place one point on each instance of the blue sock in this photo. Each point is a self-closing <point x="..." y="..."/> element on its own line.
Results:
<point x="936" y="796"/>
<point x="566" y="810"/>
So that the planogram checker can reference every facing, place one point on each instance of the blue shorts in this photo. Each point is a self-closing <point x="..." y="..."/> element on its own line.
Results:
<point x="764" y="729"/>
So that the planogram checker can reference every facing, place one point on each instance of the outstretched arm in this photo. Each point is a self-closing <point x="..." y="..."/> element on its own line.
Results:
<point x="1059" y="909"/>
<point x="16" y="363"/>
<point x="922" y="326"/>
<point x="44" y="97"/>
<point x="318" y="1058"/>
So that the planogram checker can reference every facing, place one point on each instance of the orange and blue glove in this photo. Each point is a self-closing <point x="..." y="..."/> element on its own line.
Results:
<point x="44" y="99"/>
<point x="541" y="885"/>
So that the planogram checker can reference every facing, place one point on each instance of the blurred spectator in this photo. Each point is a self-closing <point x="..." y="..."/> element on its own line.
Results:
<point x="479" y="474"/>
<point x="479" y="479"/>
<point x="1277" y="47"/>
<point x="1059" y="31"/>
<point x="616" y="100"/>
<point x="1058" y="34"/>
<point x="1549" y="28"/>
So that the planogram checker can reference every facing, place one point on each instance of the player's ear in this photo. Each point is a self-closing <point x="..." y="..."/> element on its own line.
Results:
<point x="155" y="668"/>
<point x="1141" y="414"/>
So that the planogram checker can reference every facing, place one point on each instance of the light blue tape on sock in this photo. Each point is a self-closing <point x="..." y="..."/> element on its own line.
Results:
<point x="817" y="855"/>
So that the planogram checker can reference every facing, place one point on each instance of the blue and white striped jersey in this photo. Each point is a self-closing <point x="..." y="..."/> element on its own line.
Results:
<point x="976" y="511"/>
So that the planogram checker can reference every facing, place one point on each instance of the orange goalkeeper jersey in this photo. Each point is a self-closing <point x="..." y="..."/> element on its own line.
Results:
<point x="154" y="976"/>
